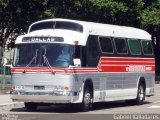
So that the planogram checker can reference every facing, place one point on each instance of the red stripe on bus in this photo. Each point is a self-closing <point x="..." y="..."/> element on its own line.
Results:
<point x="127" y="69"/>
<point x="67" y="70"/>
<point x="126" y="59"/>
<point x="106" y="64"/>
<point x="117" y="64"/>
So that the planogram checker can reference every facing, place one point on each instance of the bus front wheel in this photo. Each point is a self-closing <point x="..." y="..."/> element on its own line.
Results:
<point x="86" y="103"/>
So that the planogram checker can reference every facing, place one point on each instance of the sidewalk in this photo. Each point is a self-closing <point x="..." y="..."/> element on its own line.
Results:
<point x="5" y="100"/>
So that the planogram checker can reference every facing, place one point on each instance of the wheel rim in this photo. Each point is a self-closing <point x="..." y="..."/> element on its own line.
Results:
<point x="87" y="99"/>
<point x="141" y="93"/>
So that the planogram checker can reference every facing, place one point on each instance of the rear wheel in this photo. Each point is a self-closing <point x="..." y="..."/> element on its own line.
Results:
<point x="30" y="106"/>
<point x="140" y="94"/>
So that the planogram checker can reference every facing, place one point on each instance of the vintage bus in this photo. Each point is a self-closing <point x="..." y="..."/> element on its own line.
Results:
<point x="62" y="61"/>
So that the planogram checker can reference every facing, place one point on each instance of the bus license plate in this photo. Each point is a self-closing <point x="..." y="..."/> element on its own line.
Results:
<point x="39" y="87"/>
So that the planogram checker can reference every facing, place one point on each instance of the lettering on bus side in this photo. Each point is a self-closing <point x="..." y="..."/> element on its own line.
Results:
<point x="42" y="39"/>
<point x="138" y="68"/>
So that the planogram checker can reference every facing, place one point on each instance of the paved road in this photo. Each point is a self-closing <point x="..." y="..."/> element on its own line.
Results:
<point x="151" y="106"/>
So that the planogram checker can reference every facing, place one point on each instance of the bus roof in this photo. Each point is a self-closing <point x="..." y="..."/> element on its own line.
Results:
<point x="91" y="28"/>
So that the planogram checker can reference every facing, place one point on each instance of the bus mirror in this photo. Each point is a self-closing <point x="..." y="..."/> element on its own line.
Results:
<point x="77" y="62"/>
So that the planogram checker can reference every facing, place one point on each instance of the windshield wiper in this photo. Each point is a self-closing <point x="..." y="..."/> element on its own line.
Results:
<point x="34" y="58"/>
<point x="47" y="62"/>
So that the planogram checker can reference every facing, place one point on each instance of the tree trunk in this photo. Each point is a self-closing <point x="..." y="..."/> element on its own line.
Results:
<point x="157" y="53"/>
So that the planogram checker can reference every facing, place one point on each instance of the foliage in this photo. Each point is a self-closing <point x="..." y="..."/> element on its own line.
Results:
<point x="17" y="15"/>
<point x="151" y="15"/>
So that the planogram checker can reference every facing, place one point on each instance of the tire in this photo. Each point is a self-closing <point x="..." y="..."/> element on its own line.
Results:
<point x="140" y="94"/>
<point x="30" y="106"/>
<point x="86" y="103"/>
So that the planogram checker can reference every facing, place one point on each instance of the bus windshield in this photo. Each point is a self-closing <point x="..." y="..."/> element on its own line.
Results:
<point x="35" y="55"/>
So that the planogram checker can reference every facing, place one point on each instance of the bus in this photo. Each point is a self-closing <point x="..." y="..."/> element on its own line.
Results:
<point x="64" y="61"/>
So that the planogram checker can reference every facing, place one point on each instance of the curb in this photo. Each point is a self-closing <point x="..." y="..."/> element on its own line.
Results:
<point x="9" y="104"/>
<point x="157" y="82"/>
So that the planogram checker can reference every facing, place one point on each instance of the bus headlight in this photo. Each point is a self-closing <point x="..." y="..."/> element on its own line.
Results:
<point x="60" y="88"/>
<point x="19" y="87"/>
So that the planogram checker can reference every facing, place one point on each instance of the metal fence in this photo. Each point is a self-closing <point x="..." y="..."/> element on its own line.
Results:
<point x="157" y="79"/>
<point x="5" y="78"/>
<point x="5" y="75"/>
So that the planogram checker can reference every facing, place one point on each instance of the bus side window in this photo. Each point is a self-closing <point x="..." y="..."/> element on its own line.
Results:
<point x="147" y="47"/>
<point x="106" y="45"/>
<point x="121" y="46"/>
<point x="80" y="52"/>
<point x="134" y="46"/>
<point x="84" y="56"/>
<point x="92" y="51"/>
<point x="77" y="51"/>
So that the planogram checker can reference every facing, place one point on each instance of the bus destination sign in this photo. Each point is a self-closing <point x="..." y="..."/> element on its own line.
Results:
<point x="42" y="39"/>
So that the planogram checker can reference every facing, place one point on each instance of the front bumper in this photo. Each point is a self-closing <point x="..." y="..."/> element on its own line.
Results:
<point x="44" y="98"/>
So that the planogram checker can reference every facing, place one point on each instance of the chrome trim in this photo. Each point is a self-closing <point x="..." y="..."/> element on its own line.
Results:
<point x="44" y="98"/>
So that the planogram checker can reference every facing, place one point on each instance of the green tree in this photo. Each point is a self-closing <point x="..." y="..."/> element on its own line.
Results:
<point x="150" y="20"/>
<point x="17" y="15"/>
